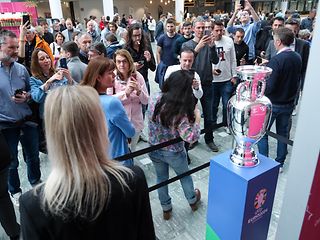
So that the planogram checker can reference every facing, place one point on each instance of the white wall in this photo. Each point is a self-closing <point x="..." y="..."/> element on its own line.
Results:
<point x="305" y="150"/>
<point x="134" y="7"/>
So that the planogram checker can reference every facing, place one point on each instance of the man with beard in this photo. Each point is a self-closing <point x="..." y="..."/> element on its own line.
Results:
<point x="14" y="113"/>
<point x="187" y="35"/>
<point x="165" y="54"/>
<point x="205" y="55"/>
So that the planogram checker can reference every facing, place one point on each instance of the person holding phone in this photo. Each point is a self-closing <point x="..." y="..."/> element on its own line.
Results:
<point x="45" y="78"/>
<point x="251" y="28"/>
<point x="29" y="40"/>
<point x="14" y="122"/>
<point x="100" y="75"/>
<point x="205" y="55"/>
<point x="131" y="89"/>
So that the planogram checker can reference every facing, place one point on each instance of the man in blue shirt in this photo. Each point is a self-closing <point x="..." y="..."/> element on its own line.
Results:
<point x="14" y="112"/>
<point x="251" y="28"/>
<point x="165" y="51"/>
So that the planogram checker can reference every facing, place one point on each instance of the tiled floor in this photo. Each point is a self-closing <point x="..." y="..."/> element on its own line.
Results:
<point x="184" y="224"/>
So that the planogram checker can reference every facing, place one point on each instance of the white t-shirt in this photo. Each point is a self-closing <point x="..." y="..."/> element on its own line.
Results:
<point x="227" y="60"/>
<point x="196" y="92"/>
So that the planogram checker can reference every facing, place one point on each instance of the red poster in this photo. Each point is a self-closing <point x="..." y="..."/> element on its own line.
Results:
<point x="311" y="223"/>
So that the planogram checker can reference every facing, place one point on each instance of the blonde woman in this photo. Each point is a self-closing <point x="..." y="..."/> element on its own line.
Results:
<point x="131" y="89"/>
<point x="86" y="195"/>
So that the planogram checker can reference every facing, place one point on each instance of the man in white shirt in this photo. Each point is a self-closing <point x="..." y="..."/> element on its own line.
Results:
<point x="224" y="72"/>
<point x="186" y="61"/>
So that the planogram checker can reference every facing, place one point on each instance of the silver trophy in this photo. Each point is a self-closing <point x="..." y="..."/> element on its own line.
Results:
<point x="249" y="113"/>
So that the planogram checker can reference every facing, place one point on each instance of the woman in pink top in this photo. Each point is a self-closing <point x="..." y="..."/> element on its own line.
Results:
<point x="131" y="89"/>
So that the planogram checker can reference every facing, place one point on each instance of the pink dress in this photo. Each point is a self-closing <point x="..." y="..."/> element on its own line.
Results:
<point x="133" y="103"/>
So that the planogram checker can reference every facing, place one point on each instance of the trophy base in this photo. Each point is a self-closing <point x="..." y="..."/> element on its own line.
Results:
<point x="244" y="157"/>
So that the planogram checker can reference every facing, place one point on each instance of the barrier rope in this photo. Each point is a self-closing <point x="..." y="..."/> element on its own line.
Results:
<point x="191" y="171"/>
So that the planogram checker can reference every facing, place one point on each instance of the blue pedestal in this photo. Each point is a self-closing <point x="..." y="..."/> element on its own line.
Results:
<point x="240" y="200"/>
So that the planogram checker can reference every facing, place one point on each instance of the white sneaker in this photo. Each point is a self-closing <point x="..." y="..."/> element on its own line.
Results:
<point x="226" y="129"/>
<point x="281" y="170"/>
<point x="15" y="198"/>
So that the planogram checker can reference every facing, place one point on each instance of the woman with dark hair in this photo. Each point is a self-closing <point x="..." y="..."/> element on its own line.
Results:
<point x="45" y="77"/>
<point x="100" y="75"/>
<point x="86" y="195"/>
<point x="56" y="46"/>
<point x="131" y="89"/>
<point x="173" y="113"/>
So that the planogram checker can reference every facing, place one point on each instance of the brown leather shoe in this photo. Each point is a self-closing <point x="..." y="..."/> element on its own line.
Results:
<point x="194" y="206"/>
<point x="167" y="214"/>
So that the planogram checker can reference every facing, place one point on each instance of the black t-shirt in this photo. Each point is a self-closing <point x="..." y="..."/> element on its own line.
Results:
<point x="127" y="216"/>
<point x="242" y="51"/>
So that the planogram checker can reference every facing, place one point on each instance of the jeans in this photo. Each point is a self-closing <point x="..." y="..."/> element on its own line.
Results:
<point x="7" y="213"/>
<point x="30" y="144"/>
<point x="178" y="161"/>
<point x="206" y="102"/>
<point x="222" y="90"/>
<point x="281" y="114"/>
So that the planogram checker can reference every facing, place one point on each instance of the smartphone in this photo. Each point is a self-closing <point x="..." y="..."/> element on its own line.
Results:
<point x="207" y="32"/>
<point x="18" y="91"/>
<point x="26" y="18"/>
<point x="242" y="3"/>
<point x="63" y="63"/>
<point x="141" y="62"/>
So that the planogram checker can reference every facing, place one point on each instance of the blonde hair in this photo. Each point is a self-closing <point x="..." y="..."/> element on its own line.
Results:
<point x="76" y="132"/>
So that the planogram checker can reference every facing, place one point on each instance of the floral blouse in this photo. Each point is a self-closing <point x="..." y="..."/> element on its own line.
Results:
<point x="189" y="132"/>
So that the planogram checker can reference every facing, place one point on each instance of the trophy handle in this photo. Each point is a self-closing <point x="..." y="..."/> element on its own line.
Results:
<point x="263" y="88"/>
<point x="239" y="89"/>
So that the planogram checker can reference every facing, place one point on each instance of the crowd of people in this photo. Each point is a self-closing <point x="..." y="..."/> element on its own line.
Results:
<point x="81" y="95"/>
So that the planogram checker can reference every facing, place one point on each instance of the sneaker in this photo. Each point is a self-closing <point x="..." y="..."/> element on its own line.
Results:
<point x="167" y="214"/>
<point x="213" y="147"/>
<point x="226" y="129"/>
<point x="192" y="145"/>
<point x="15" y="198"/>
<point x="294" y="112"/>
<point x="194" y="206"/>
<point x="281" y="170"/>
<point x="143" y="137"/>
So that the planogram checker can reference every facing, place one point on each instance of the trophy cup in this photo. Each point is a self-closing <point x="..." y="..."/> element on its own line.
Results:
<point x="249" y="113"/>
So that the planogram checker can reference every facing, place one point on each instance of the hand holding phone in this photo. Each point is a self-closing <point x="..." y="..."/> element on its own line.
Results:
<point x="26" y="20"/>
<point x="207" y="32"/>
<point x="18" y="92"/>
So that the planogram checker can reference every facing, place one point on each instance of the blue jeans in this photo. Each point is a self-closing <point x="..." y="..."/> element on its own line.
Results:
<point x="178" y="161"/>
<point x="206" y="103"/>
<point x="281" y="114"/>
<point x="29" y="137"/>
<point x="222" y="90"/>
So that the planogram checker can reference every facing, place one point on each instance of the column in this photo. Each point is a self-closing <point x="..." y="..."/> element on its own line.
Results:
<point x="179" y="11"/>
<point x="108" y="8"/>
<point x="55" y="9"/>
<point x="284" y="6"/>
